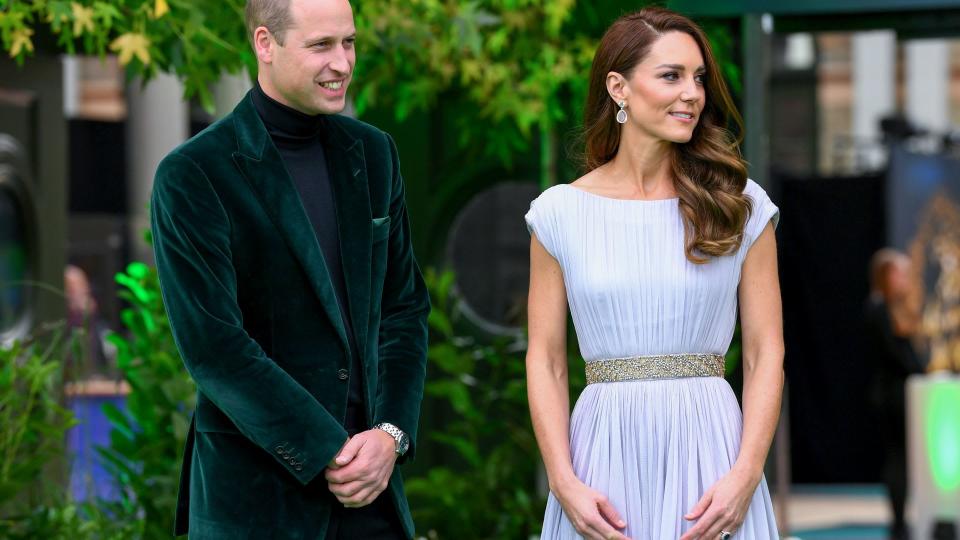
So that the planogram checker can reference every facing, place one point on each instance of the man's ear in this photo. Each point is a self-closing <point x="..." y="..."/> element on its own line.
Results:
<point x="263" y="44"/>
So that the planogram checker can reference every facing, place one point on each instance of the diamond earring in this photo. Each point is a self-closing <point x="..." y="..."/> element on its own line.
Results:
<point x="621" y="114"/>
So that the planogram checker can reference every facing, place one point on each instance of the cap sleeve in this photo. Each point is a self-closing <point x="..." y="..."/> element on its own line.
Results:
<point x="540" y="222"/>
<point x="762" y="212"/>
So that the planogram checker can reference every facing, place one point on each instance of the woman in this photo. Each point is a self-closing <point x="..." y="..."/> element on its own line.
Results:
<point x="892" y="320"/>
<point x="649" y="249"/>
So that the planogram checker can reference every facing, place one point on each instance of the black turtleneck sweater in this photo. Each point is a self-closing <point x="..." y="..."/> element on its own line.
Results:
<point x="297" y="137"/>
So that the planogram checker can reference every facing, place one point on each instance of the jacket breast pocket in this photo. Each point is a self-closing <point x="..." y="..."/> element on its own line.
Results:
<point x="379" y="229"/>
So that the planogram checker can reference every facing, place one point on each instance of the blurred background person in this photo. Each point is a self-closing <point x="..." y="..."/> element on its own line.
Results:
<point x="892" y="321"/>
<point x="89" y="358"/>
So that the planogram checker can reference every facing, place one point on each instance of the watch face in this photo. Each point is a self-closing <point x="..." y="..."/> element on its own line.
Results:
<point x="404" y="444"/>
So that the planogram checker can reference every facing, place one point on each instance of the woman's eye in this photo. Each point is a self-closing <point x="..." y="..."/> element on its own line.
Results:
<point x="670" y="76"/>
<point x="701" y="78"/>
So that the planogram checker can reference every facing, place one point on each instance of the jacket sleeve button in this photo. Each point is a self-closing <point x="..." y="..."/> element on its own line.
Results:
<point x="343" y="374"/>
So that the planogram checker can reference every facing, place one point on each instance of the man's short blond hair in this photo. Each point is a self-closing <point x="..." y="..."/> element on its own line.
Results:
<point x="273" y="14"/>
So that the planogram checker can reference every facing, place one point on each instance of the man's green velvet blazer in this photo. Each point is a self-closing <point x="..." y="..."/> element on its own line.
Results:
<point x="256" y="321"/>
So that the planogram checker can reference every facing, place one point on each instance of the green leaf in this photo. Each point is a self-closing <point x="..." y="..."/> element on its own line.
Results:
<point x="455" y="392"/>
<point x="118" y="420"/>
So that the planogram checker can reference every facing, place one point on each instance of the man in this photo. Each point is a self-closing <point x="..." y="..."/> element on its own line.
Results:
<point x="284" y="254"/>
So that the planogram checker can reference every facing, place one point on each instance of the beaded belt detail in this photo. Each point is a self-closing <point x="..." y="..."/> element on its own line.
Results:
<point x="665" y="366"/>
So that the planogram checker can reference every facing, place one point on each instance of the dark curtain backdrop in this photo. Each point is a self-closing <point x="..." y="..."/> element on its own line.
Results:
<point x="829" y="228"/>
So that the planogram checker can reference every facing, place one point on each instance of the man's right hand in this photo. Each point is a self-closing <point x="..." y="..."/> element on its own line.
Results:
<point x="365" y="464"/>
<point x="591" y="513"/>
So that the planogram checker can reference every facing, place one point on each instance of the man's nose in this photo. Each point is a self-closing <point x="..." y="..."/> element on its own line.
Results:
<point x="340" y="62"/>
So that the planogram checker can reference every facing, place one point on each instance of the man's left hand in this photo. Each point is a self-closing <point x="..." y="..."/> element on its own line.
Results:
<point x="362" y="469"/>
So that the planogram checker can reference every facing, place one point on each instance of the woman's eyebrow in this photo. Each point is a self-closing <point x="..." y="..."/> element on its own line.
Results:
<point x="679" y="67"/>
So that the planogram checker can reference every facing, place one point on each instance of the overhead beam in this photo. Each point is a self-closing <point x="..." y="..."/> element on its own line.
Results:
<point x="734" y="8"/>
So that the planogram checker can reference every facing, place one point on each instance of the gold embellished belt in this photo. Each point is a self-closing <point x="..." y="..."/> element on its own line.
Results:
<point x="664" y="366"/>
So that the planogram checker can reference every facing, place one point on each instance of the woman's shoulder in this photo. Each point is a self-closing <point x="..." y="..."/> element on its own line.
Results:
<point x="564" y="191"/>
<point x="589" y="182"/>
<point x="546" y="216"/>
<point x="552" y="197"/>
<point x="763" y="209"/>
<point x="754" y="190"/>
<point x="564" y="196"/>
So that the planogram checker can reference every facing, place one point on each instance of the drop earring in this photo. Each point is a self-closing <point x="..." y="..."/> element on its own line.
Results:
<point x="621" y="114"/>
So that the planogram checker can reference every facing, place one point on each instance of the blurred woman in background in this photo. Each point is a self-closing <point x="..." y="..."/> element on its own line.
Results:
<point x="892" y="320"/>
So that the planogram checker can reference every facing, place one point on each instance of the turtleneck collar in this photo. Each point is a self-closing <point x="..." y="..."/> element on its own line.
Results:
<point x="284" y="123"/>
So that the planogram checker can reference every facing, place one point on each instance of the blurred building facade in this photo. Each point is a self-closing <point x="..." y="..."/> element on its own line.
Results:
<point x="863" y="77"/>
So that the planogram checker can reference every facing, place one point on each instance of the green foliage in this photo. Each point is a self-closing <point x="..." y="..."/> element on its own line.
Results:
<point x="32" y="421"/>
<point x="516" y="60"/>
<point x="33" y="425"/>
<point x="722" y="43"/>
<point x="197" y="40"/>
<point x="519" y="67"/>
<point x="731" y="360"/>
<point x="489" y="488"/>
<point x="147" y="439"/>
<point x="70" y="521"/>
<point x="522" y="65"/>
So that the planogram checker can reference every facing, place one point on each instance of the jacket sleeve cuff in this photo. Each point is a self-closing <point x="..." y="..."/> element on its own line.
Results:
<point x="305" y="464"/>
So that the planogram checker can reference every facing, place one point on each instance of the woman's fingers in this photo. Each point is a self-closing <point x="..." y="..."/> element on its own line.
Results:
<point x="609" y="513"/>
<point x="705" y="524"/>
<point x="701" y="506"/>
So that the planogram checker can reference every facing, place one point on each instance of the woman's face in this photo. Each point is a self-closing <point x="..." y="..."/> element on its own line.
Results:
<point x="665" y="93"/>
<point x="899" y="280"/>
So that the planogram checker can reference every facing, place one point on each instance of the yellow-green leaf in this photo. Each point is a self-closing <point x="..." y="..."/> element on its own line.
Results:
<point x="82" y="18"/>
<point x="132" y="44"/>
<point x="21" y="41"/>
<point x="160" y="8"/>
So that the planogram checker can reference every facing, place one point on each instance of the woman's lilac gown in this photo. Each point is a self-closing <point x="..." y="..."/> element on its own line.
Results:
<point x="653" y="447"/>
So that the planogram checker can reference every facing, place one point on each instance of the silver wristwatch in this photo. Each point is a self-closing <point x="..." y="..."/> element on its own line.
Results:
<point x="403" y="442"/>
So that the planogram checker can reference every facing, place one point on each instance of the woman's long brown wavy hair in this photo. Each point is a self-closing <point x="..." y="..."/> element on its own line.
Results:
<point x="709" y="174"/>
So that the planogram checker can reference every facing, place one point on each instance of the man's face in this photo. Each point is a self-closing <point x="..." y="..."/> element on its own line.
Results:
<point x="310" y="72"/>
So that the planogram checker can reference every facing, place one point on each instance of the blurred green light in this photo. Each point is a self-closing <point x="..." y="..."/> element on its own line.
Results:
<point x="943" y="436"/>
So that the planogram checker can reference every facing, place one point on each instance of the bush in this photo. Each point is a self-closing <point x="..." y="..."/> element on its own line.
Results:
<point x="71" y="521"/>
<point x="490" y="488"/>
<point x="147" y="439"/>
<point x="33" y="425"/>
<point x="32" y="421"/>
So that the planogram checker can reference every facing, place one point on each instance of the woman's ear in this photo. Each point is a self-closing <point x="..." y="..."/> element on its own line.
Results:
<point x="617" y="87"/>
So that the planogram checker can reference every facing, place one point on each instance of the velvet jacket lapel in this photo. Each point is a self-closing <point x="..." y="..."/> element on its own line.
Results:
<point x="348" y="174"/>
<point x="261" y="165"/>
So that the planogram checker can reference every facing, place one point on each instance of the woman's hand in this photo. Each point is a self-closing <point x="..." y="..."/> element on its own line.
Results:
<point x="591" y="513"/>
<point x="723" y="507"/>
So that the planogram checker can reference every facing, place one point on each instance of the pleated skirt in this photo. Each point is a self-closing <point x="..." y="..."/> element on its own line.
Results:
<point x="654" y="447"/>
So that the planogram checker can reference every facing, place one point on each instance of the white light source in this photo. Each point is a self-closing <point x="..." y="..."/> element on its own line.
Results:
<point x="800" y="51"/>
<point x="766" y="23"/>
